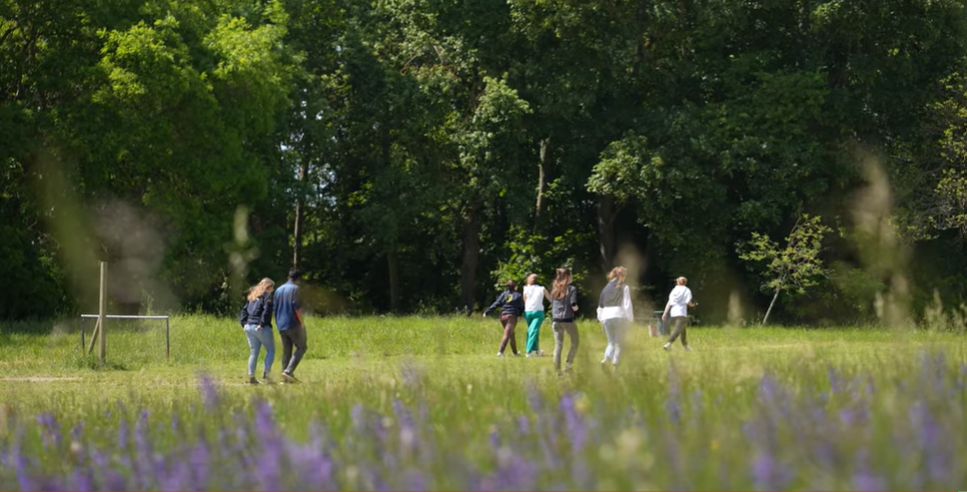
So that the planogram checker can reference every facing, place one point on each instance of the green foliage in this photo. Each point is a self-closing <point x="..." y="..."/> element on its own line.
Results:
<point x="792" y="268"/>
<point x="421" y="140"/>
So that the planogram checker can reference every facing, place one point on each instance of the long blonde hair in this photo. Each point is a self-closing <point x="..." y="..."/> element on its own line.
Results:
<point x="561" y="281"/>
<point x="618" y="274"/>
<point x="258" y="289"/>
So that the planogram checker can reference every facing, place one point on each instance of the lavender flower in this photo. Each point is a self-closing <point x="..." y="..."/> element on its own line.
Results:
<point x="209" y="392"/>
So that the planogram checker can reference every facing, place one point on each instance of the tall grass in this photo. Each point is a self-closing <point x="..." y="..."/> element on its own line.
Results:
<point x="416" y="403"/>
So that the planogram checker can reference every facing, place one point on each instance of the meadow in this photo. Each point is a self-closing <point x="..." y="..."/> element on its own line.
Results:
<point x="423" y="403"/>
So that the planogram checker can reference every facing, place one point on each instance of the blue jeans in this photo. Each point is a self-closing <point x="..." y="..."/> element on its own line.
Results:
<point x="256" y="339"/>
<point x="614" y="329"/>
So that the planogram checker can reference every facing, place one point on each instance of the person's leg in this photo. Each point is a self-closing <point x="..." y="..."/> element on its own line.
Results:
<point x="505" y="323"/>
<point x="677" y="326"/>
<point x="620" y="327"/>
<point x="572" y="331"/>
<point x="684" y="330"/>
<point x="558" y="329"/>
<point x="534" y="333"/>
<point x="512" y="324"/>
<point x="609" y="334"/>
<point x="267" y="339"/>
<point x="529" y="318"/>
<point x="299" y="340"/>
<point x="286" y="347"/>
<point x="254" y="345"/>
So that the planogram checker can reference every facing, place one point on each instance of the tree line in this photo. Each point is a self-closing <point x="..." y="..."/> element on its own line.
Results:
<point x="409" y="155"/>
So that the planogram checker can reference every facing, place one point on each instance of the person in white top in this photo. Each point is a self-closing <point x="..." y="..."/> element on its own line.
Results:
<point x="679" y="301"/>
<point x="534" y="296"/>
<point x="615" y="313"/>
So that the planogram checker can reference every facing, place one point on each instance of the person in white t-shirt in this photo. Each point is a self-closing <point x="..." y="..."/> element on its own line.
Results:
<point x="679" y="300"/>
<point x="534" y="296"/>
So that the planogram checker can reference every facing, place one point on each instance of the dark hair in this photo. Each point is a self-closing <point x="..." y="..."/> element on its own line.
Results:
<point x="561" y="281"/>
<point x="511" y="285"/>
<point x="295" y="274"/>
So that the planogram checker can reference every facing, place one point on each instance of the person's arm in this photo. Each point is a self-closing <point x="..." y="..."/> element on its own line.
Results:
<point x="297" y="307"/>
<point x="574" y="299"/>
<point x="626" y="305"/>
<point x="499" y="302"/>
<point x="668" y="305"/>
<point x="266" y="319"/>
<point x="547" y="295"/>
<point x="243" y="314"/>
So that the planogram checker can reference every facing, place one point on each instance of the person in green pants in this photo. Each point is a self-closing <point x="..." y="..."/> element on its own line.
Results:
<point x="534" y="296"/>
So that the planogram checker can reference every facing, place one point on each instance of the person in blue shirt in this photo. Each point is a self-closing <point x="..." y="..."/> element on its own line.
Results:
<point x="288" y="318"/>
<point x="511" y="304"/>
<point x="256" y="320"/>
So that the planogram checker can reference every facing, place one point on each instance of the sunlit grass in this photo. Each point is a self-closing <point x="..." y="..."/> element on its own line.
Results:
<point x="700" y="419"/>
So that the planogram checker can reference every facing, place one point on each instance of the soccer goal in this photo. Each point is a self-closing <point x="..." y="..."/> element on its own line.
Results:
<point x="125" y="316"/>
<point x="98" y="335"/>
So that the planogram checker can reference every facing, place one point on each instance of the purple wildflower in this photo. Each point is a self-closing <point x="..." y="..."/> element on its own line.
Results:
<point x="576" y="427"/>
<point x="534" y="397"/>
<point x="209" y="392"/>
<point x="768" y="474"/>
<point x="410" y="374"/>
<point x="50" y="429"/>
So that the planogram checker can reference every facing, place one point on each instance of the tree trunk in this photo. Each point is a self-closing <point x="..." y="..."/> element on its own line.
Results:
<point x="471" y="255"/>
<point x="299" y="213"/>
<point x="606" y="215"/>
<point x="542" y="172"/>
<point x="768" y="311"/>
<point x="393" y="262"/>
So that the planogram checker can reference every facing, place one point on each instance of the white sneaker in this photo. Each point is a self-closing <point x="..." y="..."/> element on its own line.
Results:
<point x="500" y="354"/>
<point x="687" y="348"/>
<point x="667" y="346"/>
<point x="531" y="354"/>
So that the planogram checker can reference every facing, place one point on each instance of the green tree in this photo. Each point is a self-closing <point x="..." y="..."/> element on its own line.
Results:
<point x="792" y="268"/>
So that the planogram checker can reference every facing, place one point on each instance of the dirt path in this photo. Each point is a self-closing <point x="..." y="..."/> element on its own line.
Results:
<point x="38" y="379"/>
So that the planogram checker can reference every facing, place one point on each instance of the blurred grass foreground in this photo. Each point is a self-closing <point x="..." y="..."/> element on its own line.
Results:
<point x="384" y="407"/>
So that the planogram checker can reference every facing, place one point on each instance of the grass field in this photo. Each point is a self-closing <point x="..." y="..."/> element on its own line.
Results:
<point x="417" y="403"/>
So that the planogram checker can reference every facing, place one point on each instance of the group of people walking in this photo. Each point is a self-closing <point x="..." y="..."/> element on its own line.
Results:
<point x="262" y="302"/>
<point x="564" y="304"/>
<point x="615" y="313"/>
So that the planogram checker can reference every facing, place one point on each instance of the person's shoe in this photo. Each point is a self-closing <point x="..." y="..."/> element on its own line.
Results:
<point x="252" y="380"/>
<point x="500" y="354"/>
<point x="531" y="354"/>
<point x="604" y="367"/>
<point x="687" y="348"/>
<point x="540" y="353"/>
<point x="288" y="378"/>
<point x="667" y="346"/>
<point x="266" y="379"/>
<point x="568" y="369"/>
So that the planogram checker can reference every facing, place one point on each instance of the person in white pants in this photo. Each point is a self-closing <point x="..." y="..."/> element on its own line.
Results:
<point x="679" y="300"/>
<point x="615" y="313"/>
